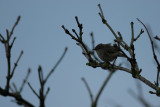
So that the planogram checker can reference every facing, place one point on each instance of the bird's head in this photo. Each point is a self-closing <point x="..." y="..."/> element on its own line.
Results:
<point x="99" y="46"/>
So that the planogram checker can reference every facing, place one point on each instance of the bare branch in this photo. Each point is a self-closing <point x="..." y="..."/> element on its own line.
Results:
<point x="142" y="31"/>
<point x="141" y="78"/>
<point x="132" y="37"/>
<point x="156" y="37"/>
<point x="74" y="31"/>
<point x="17" y="97"/>
<point x="16" y="64"/>
<point x="14" y="92"/>
<point x="102" y="88"/>
<point x="80" y="27"/>
<point x="67" y="32"/>
<point x="48" y="89"/>
<point x="25" y="80"/>
<point x="11" y="89"/>
<point x="79" y="40"/>
<point x="53" y="69"/>
<point x="101" y="12"/>
<point x="124" y="45"/>
<point x="89" y="90"/>
<point x="83" y="51"/>
<point x="92" y="40"/>
<point x="93" y="46"/>
<point x="94" y="102"/>
<point x="135" y="71"/>
<point x="16" y="23"/>
<point x="40" y="75"/>
<point x="120" y="36"/>
<point x="154" y="54"/>
<point x="33" y="90"/>
<point x="15" y="87"/>
<point x="13" y="42"/>
<point x="2" y="38"/>
<point x="8" y="37"/>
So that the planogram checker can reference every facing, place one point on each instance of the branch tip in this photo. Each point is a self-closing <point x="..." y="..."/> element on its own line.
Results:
<point x="132" y="23"/>
<point x="63" y="26"/>
<point x="19" y="17"/>
<point x="73" y="30"/>
<point x="66" y="48"/>
<point x="39" y="68"/>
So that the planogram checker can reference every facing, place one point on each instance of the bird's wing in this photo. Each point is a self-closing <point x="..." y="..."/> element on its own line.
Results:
<point x="111" y="49"/>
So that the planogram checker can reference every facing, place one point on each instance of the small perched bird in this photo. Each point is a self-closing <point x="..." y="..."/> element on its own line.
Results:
<point x="107" y="52"/>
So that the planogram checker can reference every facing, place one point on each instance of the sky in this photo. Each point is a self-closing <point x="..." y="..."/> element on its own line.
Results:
<point x="40" y="36"/>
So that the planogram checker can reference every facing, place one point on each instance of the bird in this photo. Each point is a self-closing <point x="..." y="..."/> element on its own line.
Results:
<point x="107" y="52"/>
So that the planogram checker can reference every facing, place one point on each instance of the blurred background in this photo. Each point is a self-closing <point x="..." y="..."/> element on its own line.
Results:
<point x="40" y="36"/>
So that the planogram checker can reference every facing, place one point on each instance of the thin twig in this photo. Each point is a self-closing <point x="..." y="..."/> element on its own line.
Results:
<point x="83" y="51"/>
<point x="16" y="23"/>
<point x="93" y="46"/>
<point x="11" y="89"/>
<point x="132" y="34"/>
<point x="156" y="37"/>
<point x="13" y="42"/>
<point x="14" y="92"/>
<point x="89" y="90"/>
<point x="79" y="40"/>
<point x="40" y="74"/>
<point x="142" y="31"/>
<point x="53" y="69"/>
<point x="48" y="89"/>
<point x="2" y="38"/>
<point x="16" y="64"/>
<point x="80" y="27"/>
<point x="120" y="35"/>
<point x="15" y="87"/>
<point x="92" y="40"/>
<point x="74" y="31"/>
<point x="101" y="10"/>
<point x="102" y="87"/>
<point x="67" y="32"/>
<point x="124" y="45"/>
<point x="154" y="54"/>
<point x="33" y="90"/>
<point x="25" y="80"/>
<point x="8" y="52"/>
